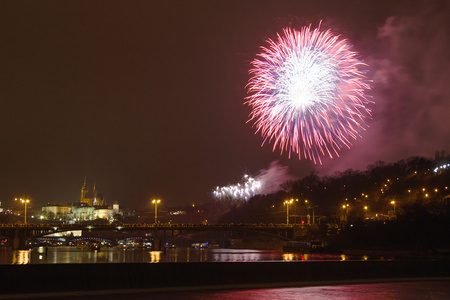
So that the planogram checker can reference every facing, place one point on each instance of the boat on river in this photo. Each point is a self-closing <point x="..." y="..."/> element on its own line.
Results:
<point x="94" y="245"/>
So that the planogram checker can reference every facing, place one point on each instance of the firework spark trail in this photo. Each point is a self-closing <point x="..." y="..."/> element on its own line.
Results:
<point x="307" y="93"/>
<point x="239" y="191"/>
<point x="264" y="182"/>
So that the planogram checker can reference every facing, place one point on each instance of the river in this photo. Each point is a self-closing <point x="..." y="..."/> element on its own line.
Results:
<point x="437" y="290"/>
<point x="67" y="254"/>
<point x="423" y="289"/>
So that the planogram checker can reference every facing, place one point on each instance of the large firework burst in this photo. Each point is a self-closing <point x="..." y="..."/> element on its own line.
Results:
<point x="308" y="93"/>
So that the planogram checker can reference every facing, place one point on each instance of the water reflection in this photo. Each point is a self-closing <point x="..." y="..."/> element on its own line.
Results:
<point x="439" y="289"/>
<point x="223" y="255"/>
<point x="288" y="256"/>
<point x="305" y="256"/>
<point x="21" y="257"/>
<point x="155" y="256"/>
<point x="62" y="255"/>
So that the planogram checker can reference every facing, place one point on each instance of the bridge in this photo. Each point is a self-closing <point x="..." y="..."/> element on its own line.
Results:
<point x="17" y="234"/>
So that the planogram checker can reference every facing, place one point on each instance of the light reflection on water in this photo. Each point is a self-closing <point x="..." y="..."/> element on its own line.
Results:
<point x="62" y="255"/>
<point x="21" y="257"/>
<point x="436" y="289"/>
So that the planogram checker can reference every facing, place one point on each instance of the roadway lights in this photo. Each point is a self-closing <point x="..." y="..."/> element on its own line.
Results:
<point x="393" y="203"/>
<point x="25" y="203"/>
<point x="156" y="202"/>
<point x="287" y="203"/>
<point x="345" y="208"/>
<point x="308" y="216"/>
<point x="309" y="206"/>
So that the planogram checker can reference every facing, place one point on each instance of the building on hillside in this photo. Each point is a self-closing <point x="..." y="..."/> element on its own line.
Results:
<point x="103" y="212"/>
<point x="80" y="212"/>
<point x="107" y="212"/>
<point x="55" y="211"/>
<point x="91" y="207"/>
<point x="92" y="199"/>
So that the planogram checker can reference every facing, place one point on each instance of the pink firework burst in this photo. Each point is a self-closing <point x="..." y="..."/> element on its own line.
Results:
<point x="308" y="93"/>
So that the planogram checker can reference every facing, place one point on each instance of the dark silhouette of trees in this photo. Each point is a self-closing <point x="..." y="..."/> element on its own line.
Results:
<point x="362" y="204"/>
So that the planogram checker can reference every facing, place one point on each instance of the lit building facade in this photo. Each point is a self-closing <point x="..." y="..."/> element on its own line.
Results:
<point x="55" y="211"/>
<point x="91" y="207"/>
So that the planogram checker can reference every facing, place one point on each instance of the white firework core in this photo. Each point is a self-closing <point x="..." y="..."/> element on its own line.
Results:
<point x="308" y="93"/>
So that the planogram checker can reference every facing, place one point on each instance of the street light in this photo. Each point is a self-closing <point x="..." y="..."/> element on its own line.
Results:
<point x="393" y="203"/>
<point x="307" y="210"/>
<point x="287" y="202"/>
<point x="295" y="212"/>
<point x="309" y="216"/>
<point x="365" y="208"/>
<point x="25" y="202"/>
<point x="345" y="208"/>
<point x="156" y="202"/>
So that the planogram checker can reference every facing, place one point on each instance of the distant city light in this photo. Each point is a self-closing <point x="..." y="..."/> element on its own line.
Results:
<point x="179" y="212"/>
<point x="441" y="168"/>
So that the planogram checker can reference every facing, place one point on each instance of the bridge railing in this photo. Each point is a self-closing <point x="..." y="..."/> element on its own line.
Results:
<point x="149" y="225"/>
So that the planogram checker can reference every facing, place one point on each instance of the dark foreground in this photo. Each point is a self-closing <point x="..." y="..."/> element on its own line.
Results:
<point x="63" y="279"/>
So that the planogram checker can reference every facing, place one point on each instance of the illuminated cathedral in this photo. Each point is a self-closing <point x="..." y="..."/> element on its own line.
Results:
<point x="92" y="199"/>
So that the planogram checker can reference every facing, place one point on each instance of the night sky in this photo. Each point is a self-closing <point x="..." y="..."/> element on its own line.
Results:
<point x="146" y="98"/>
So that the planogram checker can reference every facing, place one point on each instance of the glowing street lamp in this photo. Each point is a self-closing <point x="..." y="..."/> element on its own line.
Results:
<point x="366" y="208"/>
<point x="25" y="203"/>
<point x="287" y="203"/>
<point x="308" y="206"/>
<point x="345" y="207"/>
<point x="393" y="203"/>
<point x="156" y="202"/>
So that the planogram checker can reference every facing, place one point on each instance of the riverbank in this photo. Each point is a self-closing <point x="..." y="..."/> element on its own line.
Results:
<point x="66" y="278"/>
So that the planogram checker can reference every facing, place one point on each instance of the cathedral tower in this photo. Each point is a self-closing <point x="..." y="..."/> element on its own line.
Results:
<point x="84" y="192"/>
<point x="92" y="199"/>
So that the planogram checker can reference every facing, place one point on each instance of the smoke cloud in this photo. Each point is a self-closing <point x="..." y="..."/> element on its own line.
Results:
<point x="266" y="181"/>
<point x="410" y="65"/>
<point x="272" y="178"/>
